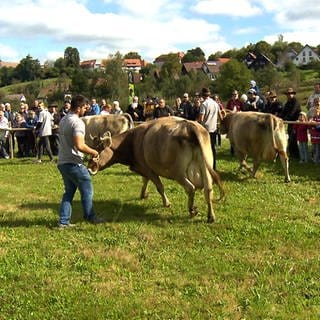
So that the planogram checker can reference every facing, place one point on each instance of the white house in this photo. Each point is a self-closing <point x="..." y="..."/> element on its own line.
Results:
<point x="305" y="56"/>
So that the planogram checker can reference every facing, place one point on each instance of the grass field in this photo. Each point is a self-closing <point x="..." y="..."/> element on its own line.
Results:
<point x="259" y="260"/>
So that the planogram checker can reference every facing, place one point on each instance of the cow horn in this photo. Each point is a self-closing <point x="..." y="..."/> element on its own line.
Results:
<point x="96" y="159"/>
<point x="92" y="137"/>
<point x="106" y="135"/>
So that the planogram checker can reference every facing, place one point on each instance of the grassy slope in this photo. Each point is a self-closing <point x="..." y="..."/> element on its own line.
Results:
<point x="260" y="260"/>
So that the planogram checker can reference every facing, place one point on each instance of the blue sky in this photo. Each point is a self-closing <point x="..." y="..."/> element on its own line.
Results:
<point x="99" y="28"/>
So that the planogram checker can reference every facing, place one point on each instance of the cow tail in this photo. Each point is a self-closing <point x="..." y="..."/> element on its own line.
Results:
<point x="214" y="175"/>
<point x="216" y="179"/>
<point x="274" y="127"/>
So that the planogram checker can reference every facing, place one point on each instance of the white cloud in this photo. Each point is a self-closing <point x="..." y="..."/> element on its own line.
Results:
<point x="249" y="30"/>
<point x="148" y="27"/>
<point x="239" y="8"/>
<point x="7" y="53"/>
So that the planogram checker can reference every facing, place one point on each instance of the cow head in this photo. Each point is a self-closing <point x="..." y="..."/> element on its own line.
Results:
<point x="101" y="142"/>
<point x="101" y="161"/>
<point x="225" y="122"/>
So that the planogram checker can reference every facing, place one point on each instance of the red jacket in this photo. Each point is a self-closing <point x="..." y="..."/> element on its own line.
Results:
<point x="315" y="131"/>
<point x="301" y="131"/>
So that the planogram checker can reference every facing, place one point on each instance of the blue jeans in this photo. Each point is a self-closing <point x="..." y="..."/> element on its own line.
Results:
<point x="303" y="151"/>
<point x="75" y="176"/>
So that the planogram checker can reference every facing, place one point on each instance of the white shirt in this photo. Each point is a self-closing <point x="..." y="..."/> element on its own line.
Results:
<point x="209" y="108"/>
<point x="45" y="117"/>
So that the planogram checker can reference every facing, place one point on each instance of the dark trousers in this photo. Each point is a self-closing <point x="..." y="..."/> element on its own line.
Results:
<point x="44" y="142"/>
<point x="293" y="143"/>
<point x="213" y="139"/>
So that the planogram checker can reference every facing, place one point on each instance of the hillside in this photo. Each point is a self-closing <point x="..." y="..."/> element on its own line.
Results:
<point x="47" y="87"/>
<point x="43" y="88"/>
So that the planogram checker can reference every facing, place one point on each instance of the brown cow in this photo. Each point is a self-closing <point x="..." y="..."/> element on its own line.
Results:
<point x="169" y="147"/>
<point x="98" y="125"/>
<point x="260" y="136"/>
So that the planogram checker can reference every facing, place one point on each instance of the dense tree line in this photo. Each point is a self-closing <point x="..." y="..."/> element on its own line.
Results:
<point x="169" y="81"/>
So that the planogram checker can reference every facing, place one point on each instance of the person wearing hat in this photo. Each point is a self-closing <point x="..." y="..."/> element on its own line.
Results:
<point x="273" y="105"/>
<point x="254" y="86"/>
<point x="254" y="102"/>
<point x="208" y="117"/>
<point x="291" y="111"/>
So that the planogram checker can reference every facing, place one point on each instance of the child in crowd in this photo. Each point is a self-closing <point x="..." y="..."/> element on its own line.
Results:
<point x="315" y="135"/>
<point x="21" y="136"/>
<point x="31" y="123"/>
<point x="302" y="137"/>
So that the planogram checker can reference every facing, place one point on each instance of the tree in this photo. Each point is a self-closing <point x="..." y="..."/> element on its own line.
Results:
<point x="263" y="47"/>
<point x="193" y="55"/>
<point x="148" y="85"/>
<point x="296" y="46"/>
<point x="278" y="48"/>
<point x="171" y="66"/>
<point x="132" y="55"/>
<point x="215" y="56"/>
<point x="6" y="76"/>
<point x="28" y="69"/>
<point x="60" y="64"/>
<point x="268" y="78"/>
<point x="72" y="57"/>
<point x="233" y="75"/>
<point x="80" y="82"/>
<point x="116" y="78"/>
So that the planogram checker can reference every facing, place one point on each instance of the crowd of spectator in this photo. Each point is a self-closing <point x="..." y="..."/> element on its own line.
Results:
<point x="44" y="120"/>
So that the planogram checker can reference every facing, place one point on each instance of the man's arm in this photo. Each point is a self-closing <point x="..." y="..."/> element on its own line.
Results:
<point x="83" y="147"/>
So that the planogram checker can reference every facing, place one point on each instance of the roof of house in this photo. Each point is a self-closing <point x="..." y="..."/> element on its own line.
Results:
<point x="8" y="64"/>
<point x="223" y="60"/>
<point x="133" y="63"/>
<point x="193" y="65"/>
<point x="88" y="63"/>
<point x="308" y="47"/>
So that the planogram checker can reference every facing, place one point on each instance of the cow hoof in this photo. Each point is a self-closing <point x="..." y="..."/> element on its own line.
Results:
<point x="193" y="212"/>
<point x="287" y="180"/>
<point x="210" y="220"/>
<point x="144" y="196"/>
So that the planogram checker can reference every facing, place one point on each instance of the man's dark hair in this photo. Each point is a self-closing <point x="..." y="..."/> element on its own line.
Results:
<point x="78" y="101"/>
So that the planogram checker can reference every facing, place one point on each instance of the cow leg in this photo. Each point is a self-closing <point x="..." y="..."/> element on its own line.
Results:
<point x="144" y="191"/>
<point x="160" y="188"/>
<point x="243" y="162"/>
<point x="285" y="164"/>
<point x="256" y="165"/>
<point x="208" y="194"/>
<point x="190" y="190"/>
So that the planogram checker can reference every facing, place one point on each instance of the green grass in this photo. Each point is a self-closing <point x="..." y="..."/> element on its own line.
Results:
<point x="260" y="260"/>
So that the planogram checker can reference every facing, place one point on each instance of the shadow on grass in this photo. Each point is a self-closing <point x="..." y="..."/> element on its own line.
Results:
<point x="309" y="171"/>
<point x="113" y="210"/>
